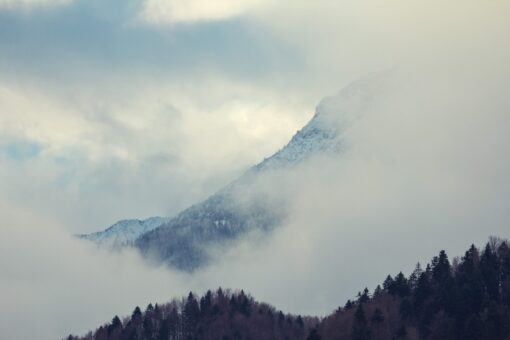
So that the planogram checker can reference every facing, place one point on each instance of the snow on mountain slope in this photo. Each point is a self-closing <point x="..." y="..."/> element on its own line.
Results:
<point x="184" y="240"/>
<point x="125" y="232"/>
<point x="323" y="133"/>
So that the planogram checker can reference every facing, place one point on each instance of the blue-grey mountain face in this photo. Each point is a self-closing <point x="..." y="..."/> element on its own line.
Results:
<point x="125" y="232"/>
<point x="184" y="241"/>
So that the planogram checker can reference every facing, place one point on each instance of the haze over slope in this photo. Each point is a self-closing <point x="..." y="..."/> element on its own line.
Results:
<point x="183" y="241"/>
<point x="424" y="170"/>
<point x="426" y="167"/>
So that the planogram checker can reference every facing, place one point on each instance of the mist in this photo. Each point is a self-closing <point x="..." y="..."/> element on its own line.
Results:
<point x="425" y="167"/>
<point x="423" y="171"/>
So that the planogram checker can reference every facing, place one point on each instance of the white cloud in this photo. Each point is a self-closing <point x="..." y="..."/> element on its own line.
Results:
<point x="428" y="169"/>
<point x="63" y="285"/>
<point x="134" y="151"/>
<point x="176" y="11"/>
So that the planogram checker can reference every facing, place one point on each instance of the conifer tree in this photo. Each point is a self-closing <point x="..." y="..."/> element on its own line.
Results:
<point x="360" y="329"/>
<point x="364" y="297"/>
<point x="115" y="326"/>
<point x="164" y="330"/>
<point x="313" y="335"/>
<point x="400" y="285"/>
<point x="299" y="321"/>
<point x="441" y="269"/>
<point x="206" y="303"/>
<point x="191" y="314"/>
<point x="137" y="314"/>
<point x="415" y="276"/>
<point x="377" y="291"/>
<point x="504" y="255"/>
<point x="377" y="317"/>
<point x="349" y="304"/>
<point x="489" y="266"/>
<point x="422" y="291"/>
<point x="388" y="284"/>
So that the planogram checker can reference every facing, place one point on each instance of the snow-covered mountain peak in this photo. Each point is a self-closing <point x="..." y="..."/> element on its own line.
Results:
<point x="324" y="131"/>
<point x="125" y="232"/>
<point x="182" y="241"/>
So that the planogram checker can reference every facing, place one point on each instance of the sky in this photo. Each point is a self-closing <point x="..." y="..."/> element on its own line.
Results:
<point x="130" y="109"/>
<point x="115" y="110"/>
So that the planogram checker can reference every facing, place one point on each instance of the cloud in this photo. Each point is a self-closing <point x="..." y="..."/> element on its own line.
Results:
<point x="58" y="284"/>
<point x="426" y="169"/>
<point x="108" y="150"/>
<point x="345" y="40"/>
<point x="427" y="166"/>
<point x="182" y="11"/>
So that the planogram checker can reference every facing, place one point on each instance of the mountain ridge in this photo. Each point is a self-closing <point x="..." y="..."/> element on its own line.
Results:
<point x="181" y="240"/>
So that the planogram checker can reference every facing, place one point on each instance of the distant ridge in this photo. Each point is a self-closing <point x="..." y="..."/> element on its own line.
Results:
<point x="124" y="232"/>
<point x="183" y="241"/>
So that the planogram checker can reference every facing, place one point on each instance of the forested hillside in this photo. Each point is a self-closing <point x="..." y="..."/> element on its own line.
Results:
<point x="216" y="315"/>
<point x="466" y="298"/>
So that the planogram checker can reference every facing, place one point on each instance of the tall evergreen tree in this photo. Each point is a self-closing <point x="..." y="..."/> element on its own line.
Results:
<point x="489" y="265"/>
<point x="314" y="335"/>
<point x="364" y="297"/>
<point x="441" y="269"/>
<point x="401" y="286"/>
<point x="377" y="291"/>
<point x="504" y="255"/>
<point x="422" y="291"/>
<point x="415" y="276"/>
<point x="115" y="327"/>
<point x="377" y="317"/>
<point x="206" y="303"/>
<point x="191" y="314"/>
<point x="164" y="330"/>
<point x="360" y="328"/>
<point x="469" y="285"/>
<point x="388" y="284"/>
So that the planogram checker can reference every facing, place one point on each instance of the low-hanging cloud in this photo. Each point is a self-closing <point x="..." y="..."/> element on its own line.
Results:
<point x="424" y="171"/>
<point x="426" y="168"/>
<point x="111" y="153"/>
<point x="53" y="284"/>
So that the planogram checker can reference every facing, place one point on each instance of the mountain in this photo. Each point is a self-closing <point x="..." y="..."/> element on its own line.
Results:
<point x="125" y="232"/>
<point x="468" y="299"/>
<point x="324" y="132"/>
<point x="185" y="240"/>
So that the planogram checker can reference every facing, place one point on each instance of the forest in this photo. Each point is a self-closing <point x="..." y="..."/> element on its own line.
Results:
<point x="466" y="298"/>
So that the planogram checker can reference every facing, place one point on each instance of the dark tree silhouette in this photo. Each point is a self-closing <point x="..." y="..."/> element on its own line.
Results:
<point x="469" y="299"/>
<point x="360" y="328"/>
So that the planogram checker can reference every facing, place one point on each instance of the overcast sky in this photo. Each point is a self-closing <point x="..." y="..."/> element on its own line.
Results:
<point x="129" y="109"/>
<point x="134" y="108"/>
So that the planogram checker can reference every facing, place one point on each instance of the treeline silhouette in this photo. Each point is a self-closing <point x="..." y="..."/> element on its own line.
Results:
<point x="220" y="315"/>
<point x="467" y="298"/>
